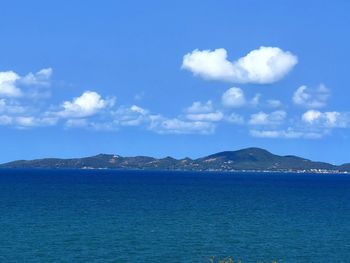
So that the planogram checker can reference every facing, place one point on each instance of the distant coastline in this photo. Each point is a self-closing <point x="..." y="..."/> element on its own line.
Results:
<point x="244" y="160"/>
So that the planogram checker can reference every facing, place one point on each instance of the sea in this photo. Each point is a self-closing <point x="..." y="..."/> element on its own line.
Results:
<point x="161" y="216"/>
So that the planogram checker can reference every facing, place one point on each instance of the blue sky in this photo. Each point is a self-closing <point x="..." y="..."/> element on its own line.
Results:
<point x="187" y="78"/>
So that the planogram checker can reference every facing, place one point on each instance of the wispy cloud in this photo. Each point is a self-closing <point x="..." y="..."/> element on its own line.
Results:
<point x="176" y="126"/>
<point x="131" y="116"/>
<point x="289" y="133"/>
<point x="273" y="103"/>
<point x="199" y="107"/>
<point x="273" y="118"/>
<point x="311" y="98"/>
<point x="234" y="118"/>
<point x="199" y="111"/>
<point x="210" y="116"/>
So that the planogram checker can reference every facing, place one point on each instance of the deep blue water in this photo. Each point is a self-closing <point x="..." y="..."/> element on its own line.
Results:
<point x="128" y="216"/>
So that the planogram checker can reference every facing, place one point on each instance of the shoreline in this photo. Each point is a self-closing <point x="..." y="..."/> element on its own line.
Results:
<point x="328" y="172"/>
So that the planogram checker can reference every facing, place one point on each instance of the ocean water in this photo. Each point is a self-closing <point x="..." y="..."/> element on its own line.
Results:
<point x="137" y="216"/>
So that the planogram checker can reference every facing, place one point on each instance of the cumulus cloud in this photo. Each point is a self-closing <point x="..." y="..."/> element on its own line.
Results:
<point x="176" y="126"/>
<point x="31" y="121"/>
<point x="131" y="116"/>
<point x="234" y="118"/>
<point x="11" y="107"/>
<point x="209" y="116"/>
<point x="311" y="98"/>
<point x="286" y="134"/>
<point x="199" y="111"/>
<point x="18" y="108"/>
<point x="311" y="115"/>
<point x="74" y="123"/>
<point x="91" y="125"/>
<point x="199" y="121"/>
<point x="112" y="120"/>
<point x="8" y="86"/>
<point x="36" y="85"/>
<point x="273" y="118"/>
<point x="5" y="120"/>
<point x="233" y="97"/>
<point x="274" y="103"/>
<point x="88" y="104"/>
<point x="137" y="109"/>
<point x="16" y="93"/>
<point x="331" y="119"/>
<point x="42" y="77"/>
<point x="261" y="66"/>
<point x="314" y="125"/>
<point x="13" y="85"/>
<point x="199" y="107"/>
<point x="255" y="100"/>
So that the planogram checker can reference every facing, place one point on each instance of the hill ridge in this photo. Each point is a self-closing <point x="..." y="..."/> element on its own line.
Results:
<point x="247" y="159"/>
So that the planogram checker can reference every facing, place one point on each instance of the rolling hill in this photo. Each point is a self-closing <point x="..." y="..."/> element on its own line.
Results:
<point x="249" y="159"/>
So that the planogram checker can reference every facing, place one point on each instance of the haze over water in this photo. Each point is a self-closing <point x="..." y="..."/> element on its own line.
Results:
<point x="138" y="216"/>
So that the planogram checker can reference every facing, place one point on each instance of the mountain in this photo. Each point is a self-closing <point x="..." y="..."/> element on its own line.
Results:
<point x="260" y="159"/>
<point x="344" y="167"/>
<point x="250" y="159"/>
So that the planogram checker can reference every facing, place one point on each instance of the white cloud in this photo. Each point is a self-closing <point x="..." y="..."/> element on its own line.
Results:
<point x="36" y="85"/>
<point x="330" y="119"/>
<point x="196" y="123"/>
<point x="176" y="126"/>
<point x="262" y="118"/>
<point x="42" y="77"/>
<point x="137" y="109"/>
<point x="5" y="120"/>
<point x="274" y="103"/>
<point x="286" y="134"/>
<point x="11" y="107"/>
<point x="255" y="100"/>
<point x="74" y="123"/>
<point x="233" y="97"/>
<point x="8" y="84"/>
<point x="234" y="118"/>
<point x="30" y="121"/>
<point x="315" y="124"/>
<point x="131" y="116"/>
<point x="263" y="65"/>
<point x="31" y="85"/>
<point x="199" y="111"/>
<point x="91" y="125"/>
<point x="27" y="121"/>
<point x="210" y="116"/>
<point x="311" y="98"/>
<point x="199" y="107"/>
<point x="311" y="116"/>
<point x="88" y="104"/>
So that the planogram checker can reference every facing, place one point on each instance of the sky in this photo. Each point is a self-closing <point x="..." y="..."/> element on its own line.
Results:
<point x="178" y="78"/>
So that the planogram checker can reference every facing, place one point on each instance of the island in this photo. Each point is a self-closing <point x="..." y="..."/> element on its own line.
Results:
<point x="249" y="160"/>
